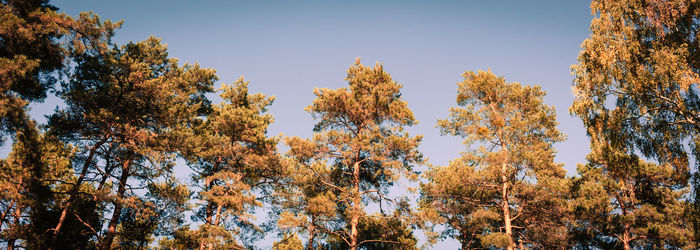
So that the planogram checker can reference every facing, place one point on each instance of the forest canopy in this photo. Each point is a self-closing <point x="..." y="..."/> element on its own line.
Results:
<point x="101" y="171"/>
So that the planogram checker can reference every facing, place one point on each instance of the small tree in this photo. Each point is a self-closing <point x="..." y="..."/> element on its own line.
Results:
<point x="508" y="190"/>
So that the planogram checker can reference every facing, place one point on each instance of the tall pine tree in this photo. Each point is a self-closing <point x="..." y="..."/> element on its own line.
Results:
<point x="234" y="161"/>
<point x="359" y="149"/>
<point x="505" y="190"/>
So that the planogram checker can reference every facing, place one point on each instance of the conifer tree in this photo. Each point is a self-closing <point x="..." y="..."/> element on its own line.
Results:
<point x="636" y="84"/>
<point x="620" y="201"/>
<point x="124" y="108"/>
<point x="234" y="161"/>
<point x="35" y="42"/>
<point x="359" y="149"/>
<point x="505" y="189"/>
<point x="18" y="221"/>
<point x="29" y="52"/>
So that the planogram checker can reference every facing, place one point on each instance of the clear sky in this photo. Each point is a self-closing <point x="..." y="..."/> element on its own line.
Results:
<point x="286" y="48"/>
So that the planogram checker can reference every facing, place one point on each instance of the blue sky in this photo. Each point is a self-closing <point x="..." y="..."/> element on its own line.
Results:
<point x="286" y="48"/>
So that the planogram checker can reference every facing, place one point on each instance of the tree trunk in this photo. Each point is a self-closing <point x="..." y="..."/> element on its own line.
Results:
<point x="73" y="193"/>
<point x="217" y="219"/>
<point x="312" y="234"/>
<point x="112" y="228"/>
<point x="628" y="194"/>
<point x="626" y="238"/>
<point x="355" y="206"/>
<point x="208" y="214"/>
<point x="505" y="206"/>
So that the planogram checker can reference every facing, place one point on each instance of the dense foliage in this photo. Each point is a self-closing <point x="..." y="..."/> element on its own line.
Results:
<point x="100" y="172"/>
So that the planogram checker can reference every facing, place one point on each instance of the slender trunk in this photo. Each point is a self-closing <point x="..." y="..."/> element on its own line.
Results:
<point x="626" y="237"/>
<point x="209" y="210"/>
<point x="201" y="244"/>
<point x="208" y="220"/>
<point x="630" y="201"/>
<point x="312" y="233"/>
<point x="505" y="205"/>
<point x="217" y="219"/>
<point x="73" y="193"/>
<point x="112" y="228"/>
<point x="355" y="206"/>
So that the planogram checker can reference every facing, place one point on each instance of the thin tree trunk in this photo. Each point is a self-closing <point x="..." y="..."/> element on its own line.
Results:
<point x="505" y="206"/>
<point x="629" y="195"/>
<point x="312" y="233"/>
<point x="356" y="206"/>
<point x="217" y="219"/>
<point x="201" y="244"/>
<point x="208" y="220"/>
<point x="626" y="237"/>
<point x="112" y="228"/>
<point x="74" y="192"/>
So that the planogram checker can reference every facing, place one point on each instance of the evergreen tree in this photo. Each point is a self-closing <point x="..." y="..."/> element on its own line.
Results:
<point x="125" y="107"/>
<point x="636" y="84"/>
<point x="359" y="149"/>
<point x="505" y="189"/>
<point x="29" y="53"/>
<point x="34" y="42"/>
<point x="19" y="223"/>
<point x="620" y="201"/>
<point x="234" y="161"/>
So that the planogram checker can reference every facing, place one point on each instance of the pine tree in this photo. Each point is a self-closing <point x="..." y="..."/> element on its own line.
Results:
<point x="35" y="42"/>
<point x="19" y="220"/>
<point x="620" y="201"/>
<point x="505" y="189"/>
<point x="29" y="51"/>
<point x="234" y="161"/>
<point x="125" y="107"/>
<point x="636" y="83"/>
<point x="359" y="149"/>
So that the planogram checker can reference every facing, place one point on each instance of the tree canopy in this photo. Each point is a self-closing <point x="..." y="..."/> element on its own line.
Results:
<point x="105" y="169"/>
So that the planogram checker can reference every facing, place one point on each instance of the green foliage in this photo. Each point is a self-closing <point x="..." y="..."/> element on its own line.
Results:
<point x="288" y="242"/>
<point x="383" y="232"/>
<point x="636" y="89"/>
<point x="29" y="31"/>
<point x="125" y="107"/>
<point x="234" y="161"/>
<point x="182" y="238"/>
<point x="495" y="240"/>
<point x="643" y="55"/>
<point x="621" y="201"/>
<point x="508" y="168"/>
<point x="99" y="174"/>
<point x="359" y="150"/>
